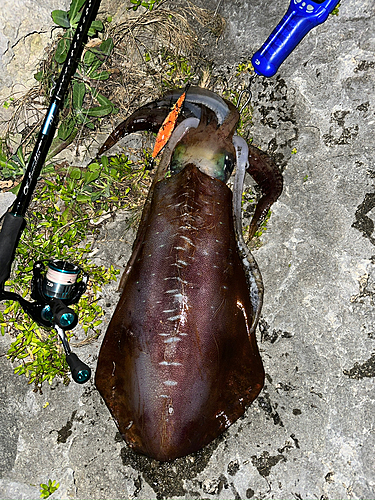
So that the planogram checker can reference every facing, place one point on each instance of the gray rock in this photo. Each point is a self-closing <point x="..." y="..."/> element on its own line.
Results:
<point x="310" y="434"/>
<point x="25" y="31"/>
<point x="6" y="200"/>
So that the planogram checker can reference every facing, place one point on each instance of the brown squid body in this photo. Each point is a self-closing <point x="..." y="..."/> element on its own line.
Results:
<point x="177" y="365"/>
<point x="180" y="362"/>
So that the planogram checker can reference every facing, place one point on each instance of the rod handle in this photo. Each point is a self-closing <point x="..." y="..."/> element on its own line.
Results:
<point x="9" y="236"/>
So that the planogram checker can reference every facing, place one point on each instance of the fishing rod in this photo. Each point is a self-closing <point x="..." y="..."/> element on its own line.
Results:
<point x="54" y="289"/>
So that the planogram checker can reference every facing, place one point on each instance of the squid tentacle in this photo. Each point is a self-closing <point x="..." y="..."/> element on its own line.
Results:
<point x="254" y="278"/>
<point x="148" y="118"/>
<point x="267" y="175"/>
<point x="228" y="126"/>
<point x="151" y="116"/>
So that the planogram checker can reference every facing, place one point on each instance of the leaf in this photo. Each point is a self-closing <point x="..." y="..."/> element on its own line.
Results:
<point x="107" y="46"/>
<point x="99" y="75"/>
<point x="95" y="26"/>
<point x="79" y="90"/>
<point x="75" y="7"/>
<point x="90" y="176"/>
<point x="104" y="161"/>
<point x="106" y="102"/>
<point x="100" y="111"/>
<point x="75" y="173"/>
<point x="20" y="156"/>
<point x="62" y="50"/>
<point x="60" y="17"/>
<point x="66" y="128"/>
<point x="83" y="198"/>
<point x="94" y="167"/>
<point x="105" y="108"/>
<point x="38" y="76"/>
<point x="89" y="58"/>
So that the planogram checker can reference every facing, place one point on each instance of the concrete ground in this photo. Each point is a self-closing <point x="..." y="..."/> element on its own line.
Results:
<point x="310" y="434"/>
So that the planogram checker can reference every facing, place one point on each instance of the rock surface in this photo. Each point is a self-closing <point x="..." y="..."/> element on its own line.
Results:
<point x="310" y="434"/>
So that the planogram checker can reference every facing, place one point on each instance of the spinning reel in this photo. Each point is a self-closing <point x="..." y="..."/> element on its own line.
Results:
<point x="53" y="290"/>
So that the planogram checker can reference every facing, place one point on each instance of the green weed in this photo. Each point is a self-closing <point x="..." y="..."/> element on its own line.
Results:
<point x="79" y="109"/>
<point x="47" y="489"/>
<point x="149" y="5"/>
<point x="335" y="11"/>
<point x="66" y="208"/>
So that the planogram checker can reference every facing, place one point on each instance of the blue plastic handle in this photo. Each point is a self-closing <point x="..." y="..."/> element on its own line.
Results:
<point x="300" y="18"/>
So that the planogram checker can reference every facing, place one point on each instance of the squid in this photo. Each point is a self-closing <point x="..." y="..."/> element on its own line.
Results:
<point x="179" y="362"/>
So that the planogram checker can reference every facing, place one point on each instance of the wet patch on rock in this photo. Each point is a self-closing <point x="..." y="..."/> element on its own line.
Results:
<point x="167" y="478"/>
<point x="275" y="104"/>
<point x="265" y="462"/>
<point x="66" y="430"/>
<point x="363" y="222"/>
<point x="340" y="132"/>
<point x="364" y="370"/>
<point x="289" y="445"/>
<point x="268" y="335"/>
<point x="233" y="467"/>
<point x="264" y="404"/>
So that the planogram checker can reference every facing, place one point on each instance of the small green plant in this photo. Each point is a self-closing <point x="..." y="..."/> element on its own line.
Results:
<point x="177" y="70"/>
<point x="11" y="166"/>
<point x="47" y="489"/>
<point x="7" y="104"/>
<point x="69" y="21"/>
<point x="335" y="11"/>
<point x="78" y="108"/>
<point x="65" y="210"/>
<point x="149" y="5"/>
<point x="244" y="66"/>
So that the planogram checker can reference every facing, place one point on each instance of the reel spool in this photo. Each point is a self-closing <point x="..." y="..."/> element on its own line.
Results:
<point x="59" y="283"/>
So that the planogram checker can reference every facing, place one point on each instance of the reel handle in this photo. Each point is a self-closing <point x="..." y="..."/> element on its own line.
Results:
<point x="81" y="372"/>
<point x="63" y="315"/>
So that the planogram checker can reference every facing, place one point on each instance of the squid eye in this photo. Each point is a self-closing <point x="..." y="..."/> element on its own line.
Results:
<point x="229" y="163"/>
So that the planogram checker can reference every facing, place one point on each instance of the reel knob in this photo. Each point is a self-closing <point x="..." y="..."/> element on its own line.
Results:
<point x="81" y="373"/>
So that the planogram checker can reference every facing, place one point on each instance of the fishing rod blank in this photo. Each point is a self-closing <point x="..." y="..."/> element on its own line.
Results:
<point x="13" y="223"/>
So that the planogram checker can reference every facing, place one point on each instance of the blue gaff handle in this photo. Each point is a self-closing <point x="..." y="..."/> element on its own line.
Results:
<point x="300" y="18"/>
